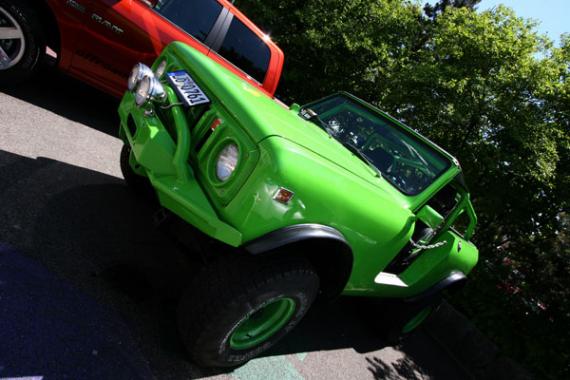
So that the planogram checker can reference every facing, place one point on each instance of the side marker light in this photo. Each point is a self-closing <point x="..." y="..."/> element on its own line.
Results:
<point x="283" y="195"/>
<point x="215" y="124"/>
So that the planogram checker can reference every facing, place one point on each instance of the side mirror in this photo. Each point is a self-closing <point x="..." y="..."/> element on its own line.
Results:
<point x="430" y="217"/>
<point x="295" y="107"/>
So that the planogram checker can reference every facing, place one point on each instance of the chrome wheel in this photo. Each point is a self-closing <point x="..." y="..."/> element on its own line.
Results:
<point x="12" y="41"/>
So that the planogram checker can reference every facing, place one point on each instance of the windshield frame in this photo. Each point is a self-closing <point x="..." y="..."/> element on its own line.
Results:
<point x="400" y="127"/>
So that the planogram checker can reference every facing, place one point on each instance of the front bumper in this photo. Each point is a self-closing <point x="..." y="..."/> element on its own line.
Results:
<point x="165" y="163"/>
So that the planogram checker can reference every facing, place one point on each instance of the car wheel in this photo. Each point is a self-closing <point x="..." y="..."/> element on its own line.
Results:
<point x="138" y="183"/>
<point x="239" y="307"/>
<point x="405" y="321"/>
<point x="396" y="319"/>
<point x="22" y="43"/>
<point x="416" y="320"/>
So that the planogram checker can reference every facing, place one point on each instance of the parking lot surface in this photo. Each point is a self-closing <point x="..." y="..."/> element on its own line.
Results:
<point x="88" y="286"/>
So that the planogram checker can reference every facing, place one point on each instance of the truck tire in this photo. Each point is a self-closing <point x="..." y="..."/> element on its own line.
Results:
<point x="395" y="320"/>
<point x="240" y="306"/>
<point x="406" y="321"/>
<point x="416" y="320"/>
<point x="138" y="183"/>
<point x="22" y="42"/>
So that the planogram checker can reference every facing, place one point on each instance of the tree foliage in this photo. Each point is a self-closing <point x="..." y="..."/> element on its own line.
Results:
<point x="433" y="10"/>
<point x="496" y="94"/>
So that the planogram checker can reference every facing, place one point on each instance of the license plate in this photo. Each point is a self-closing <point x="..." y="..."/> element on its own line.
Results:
<point x="188" y="91"/>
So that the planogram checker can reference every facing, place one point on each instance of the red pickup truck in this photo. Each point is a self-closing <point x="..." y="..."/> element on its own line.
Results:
<point x="99" y="41"/>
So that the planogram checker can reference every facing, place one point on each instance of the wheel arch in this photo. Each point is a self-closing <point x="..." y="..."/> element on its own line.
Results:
<point x="325" y="247"/>
<point x="454" y="281"/>
<point x="50" y="24"/>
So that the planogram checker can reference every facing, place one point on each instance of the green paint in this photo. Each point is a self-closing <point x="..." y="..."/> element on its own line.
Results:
<point x="262" y="324"/>
<point x="430" y="217"/>
<point x="278" y="148"/>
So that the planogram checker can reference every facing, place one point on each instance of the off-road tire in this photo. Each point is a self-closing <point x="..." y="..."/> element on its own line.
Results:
<point x="138" y="183"/>
<point x="227" y="291"/>
<point x="35" y="45"/>
<point x="389" y="317"/>
<point x="397" y="318"/>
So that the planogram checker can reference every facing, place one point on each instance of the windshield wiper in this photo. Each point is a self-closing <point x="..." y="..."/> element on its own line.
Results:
<point x="357" y="152"/>
<point x="312" y="116"/>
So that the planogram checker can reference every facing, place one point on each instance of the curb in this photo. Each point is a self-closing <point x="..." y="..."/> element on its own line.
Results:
<point x="470" y="348"/>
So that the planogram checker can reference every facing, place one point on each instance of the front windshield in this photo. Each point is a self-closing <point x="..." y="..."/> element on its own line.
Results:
<point x="408" y="163"/>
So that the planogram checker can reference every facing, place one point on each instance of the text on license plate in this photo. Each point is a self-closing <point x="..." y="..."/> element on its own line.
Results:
<point x="188" y="91"/>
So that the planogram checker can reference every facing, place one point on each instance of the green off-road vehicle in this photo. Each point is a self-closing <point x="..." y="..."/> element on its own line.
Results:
<point x="332" y="198"/>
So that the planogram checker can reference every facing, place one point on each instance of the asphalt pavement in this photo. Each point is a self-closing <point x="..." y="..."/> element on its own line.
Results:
<point x="88" y="286"/>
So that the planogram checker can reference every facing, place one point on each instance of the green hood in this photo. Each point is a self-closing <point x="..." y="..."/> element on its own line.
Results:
<point x="262" y="116"/>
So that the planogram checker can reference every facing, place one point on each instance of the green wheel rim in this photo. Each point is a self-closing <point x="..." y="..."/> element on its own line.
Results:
<point x="417" y="320"/>
<point x="262" y="324"/>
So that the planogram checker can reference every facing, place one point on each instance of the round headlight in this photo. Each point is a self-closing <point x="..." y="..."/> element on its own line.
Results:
<point x="139" y="72"/>
<point x="142" y="91"/>
<point x="149" y="88"/>
<point x="160" y="69"/>
<point x="227" y="162"/>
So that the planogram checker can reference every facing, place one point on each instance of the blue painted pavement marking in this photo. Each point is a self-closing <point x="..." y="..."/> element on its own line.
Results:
<point x="49" y="329"/>
<point x="268" y="368"/>
<point x="301" y="355"/>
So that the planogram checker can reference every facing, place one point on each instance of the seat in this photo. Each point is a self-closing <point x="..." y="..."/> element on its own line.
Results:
<point x="382" y="159"/>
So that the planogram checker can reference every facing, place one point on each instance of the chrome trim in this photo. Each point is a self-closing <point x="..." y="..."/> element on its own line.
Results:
<point x="138" y="73"/>
<point x="160" y="69"/>
<point x="11" y="33"/>
<point x="155" y="92"/>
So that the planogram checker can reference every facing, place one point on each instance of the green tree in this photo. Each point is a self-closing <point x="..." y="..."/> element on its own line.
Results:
<point x="496" y="94"/>
<point x="433" y="10"/>
<point x="348" y="46"/>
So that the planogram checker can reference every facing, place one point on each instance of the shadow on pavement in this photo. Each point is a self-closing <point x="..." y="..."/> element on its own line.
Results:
<point x="70" y="98"/>
<point x="351" y="323"/>
<point x="403" y="368"/>
<point x="52" y="330"/>
<point x="88" y="229"/>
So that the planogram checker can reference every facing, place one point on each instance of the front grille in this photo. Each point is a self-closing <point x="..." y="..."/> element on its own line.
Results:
<point x="202" y="132"/>
<point x="131" y="125"/>
<point x="202" y="140"/>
